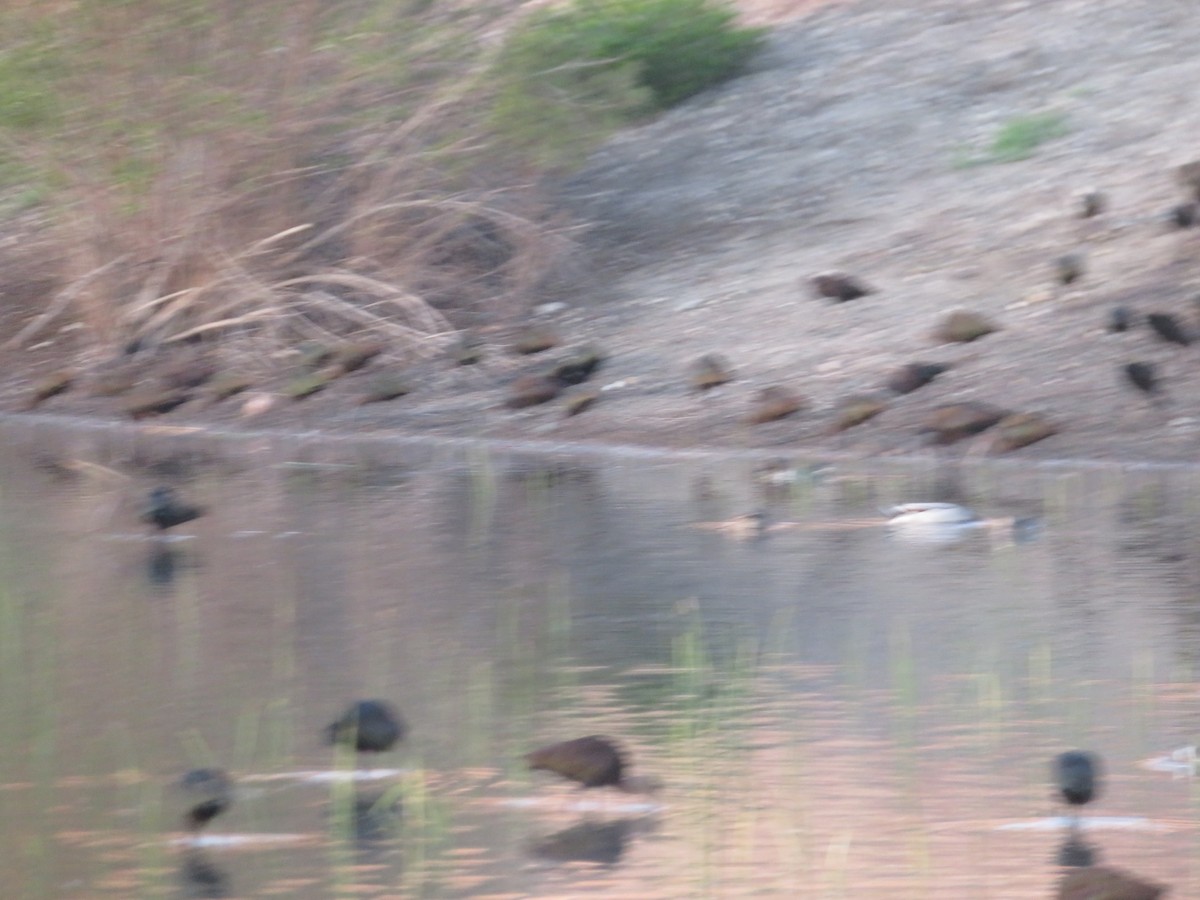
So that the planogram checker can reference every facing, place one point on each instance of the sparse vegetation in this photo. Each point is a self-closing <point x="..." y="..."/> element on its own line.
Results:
<point x="569" y="75"/>
<point x="1018" y="139"/>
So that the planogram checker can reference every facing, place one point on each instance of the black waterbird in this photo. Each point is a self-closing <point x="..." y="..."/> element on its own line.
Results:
<point x="209" y="793"/>
<point x="369" y="726"/>
<point x="1077" y="776"/>
<point x="165" y="510"/>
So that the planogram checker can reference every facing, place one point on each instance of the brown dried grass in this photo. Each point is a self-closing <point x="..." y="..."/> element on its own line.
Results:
<point x="315" y="196"/>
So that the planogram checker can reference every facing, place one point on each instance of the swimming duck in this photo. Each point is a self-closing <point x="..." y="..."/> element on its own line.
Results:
<point x="930" y="514"/>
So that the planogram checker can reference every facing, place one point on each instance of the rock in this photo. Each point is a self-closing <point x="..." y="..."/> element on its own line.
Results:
<point x="1092" y="203"/>
<point x="51" y="386"/>
<point x="1188" y="175"/>
<point x="774" y="402"/>
<point x="535" y="339"/>
<point x="963" y="326"/>
<point x="578" y="402"/>
<point x="1020" y="430"/>
<point x="1183" y="215"/>
<point x="855" y="410"/>
<point x="386" y="386"/>
<point x="227" y="384"/>
<point x="352" y="357"/>
<point x="955" y="421"/>
<point x="912" y="376"/>
<point x="840" y="287"/>
<point x="151" y="402"/>
<point x="1069" y="268"/>
<point x="1167" y="327"/>
<point x="1119" y="319"/>
<point x="709" y="371"/>
<point x="530" y="390"/>
<point x="1103" y="883"/>
<point x="306" y="385"/>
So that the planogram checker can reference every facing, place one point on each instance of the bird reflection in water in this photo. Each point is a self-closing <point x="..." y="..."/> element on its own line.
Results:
<point x="200" y="877"/>
<point x="162" y="565"/>
<point x="603" y="843"/>
<point x="1076" y="853"/>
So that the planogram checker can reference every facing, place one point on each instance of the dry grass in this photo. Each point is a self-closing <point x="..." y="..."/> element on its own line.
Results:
<point x="261" y="173"/>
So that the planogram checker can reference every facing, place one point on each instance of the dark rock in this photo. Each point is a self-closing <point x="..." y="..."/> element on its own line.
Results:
<point x="955" y="421"/>
<point x="1167" y="327"/>
<point x="840" y="287"/>
<point x="963" y="326"/>
<point x="530" y="390"/>
<point x="1020" y="430"/>
<point x="912" y="376"/>
<point x="855" y="410"/>
<point x="774" y="402"/>
<point x="709" y="371"/>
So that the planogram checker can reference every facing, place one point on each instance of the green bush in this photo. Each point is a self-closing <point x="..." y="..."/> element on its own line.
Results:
<point x="569" y="75"/>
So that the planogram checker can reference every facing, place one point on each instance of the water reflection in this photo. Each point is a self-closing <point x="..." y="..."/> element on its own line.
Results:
<point x="590" y="842"/>
<point x="200" y="877"/>
<point x="495" y="597"/>
<point x="1075" y="852"/>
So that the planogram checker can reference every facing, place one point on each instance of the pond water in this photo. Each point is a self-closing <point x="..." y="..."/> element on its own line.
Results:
<point x="838" y="708"/>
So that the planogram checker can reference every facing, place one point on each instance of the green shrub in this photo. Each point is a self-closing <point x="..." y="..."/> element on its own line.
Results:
<point x="570" y="75"/>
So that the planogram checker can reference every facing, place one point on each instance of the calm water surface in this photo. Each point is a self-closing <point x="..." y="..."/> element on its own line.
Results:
<point x="836" y="711"/>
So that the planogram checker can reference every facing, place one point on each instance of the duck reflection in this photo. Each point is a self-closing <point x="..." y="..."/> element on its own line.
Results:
<point x="603" y="842"/>
<point x="1076" y="853"/>
<point x="162" y="565"/>
<point x="370" y="821"/>
<point x="200" y="877"/>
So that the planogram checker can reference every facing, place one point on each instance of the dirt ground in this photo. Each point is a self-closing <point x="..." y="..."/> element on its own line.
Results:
<point x="859" y="142"/>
